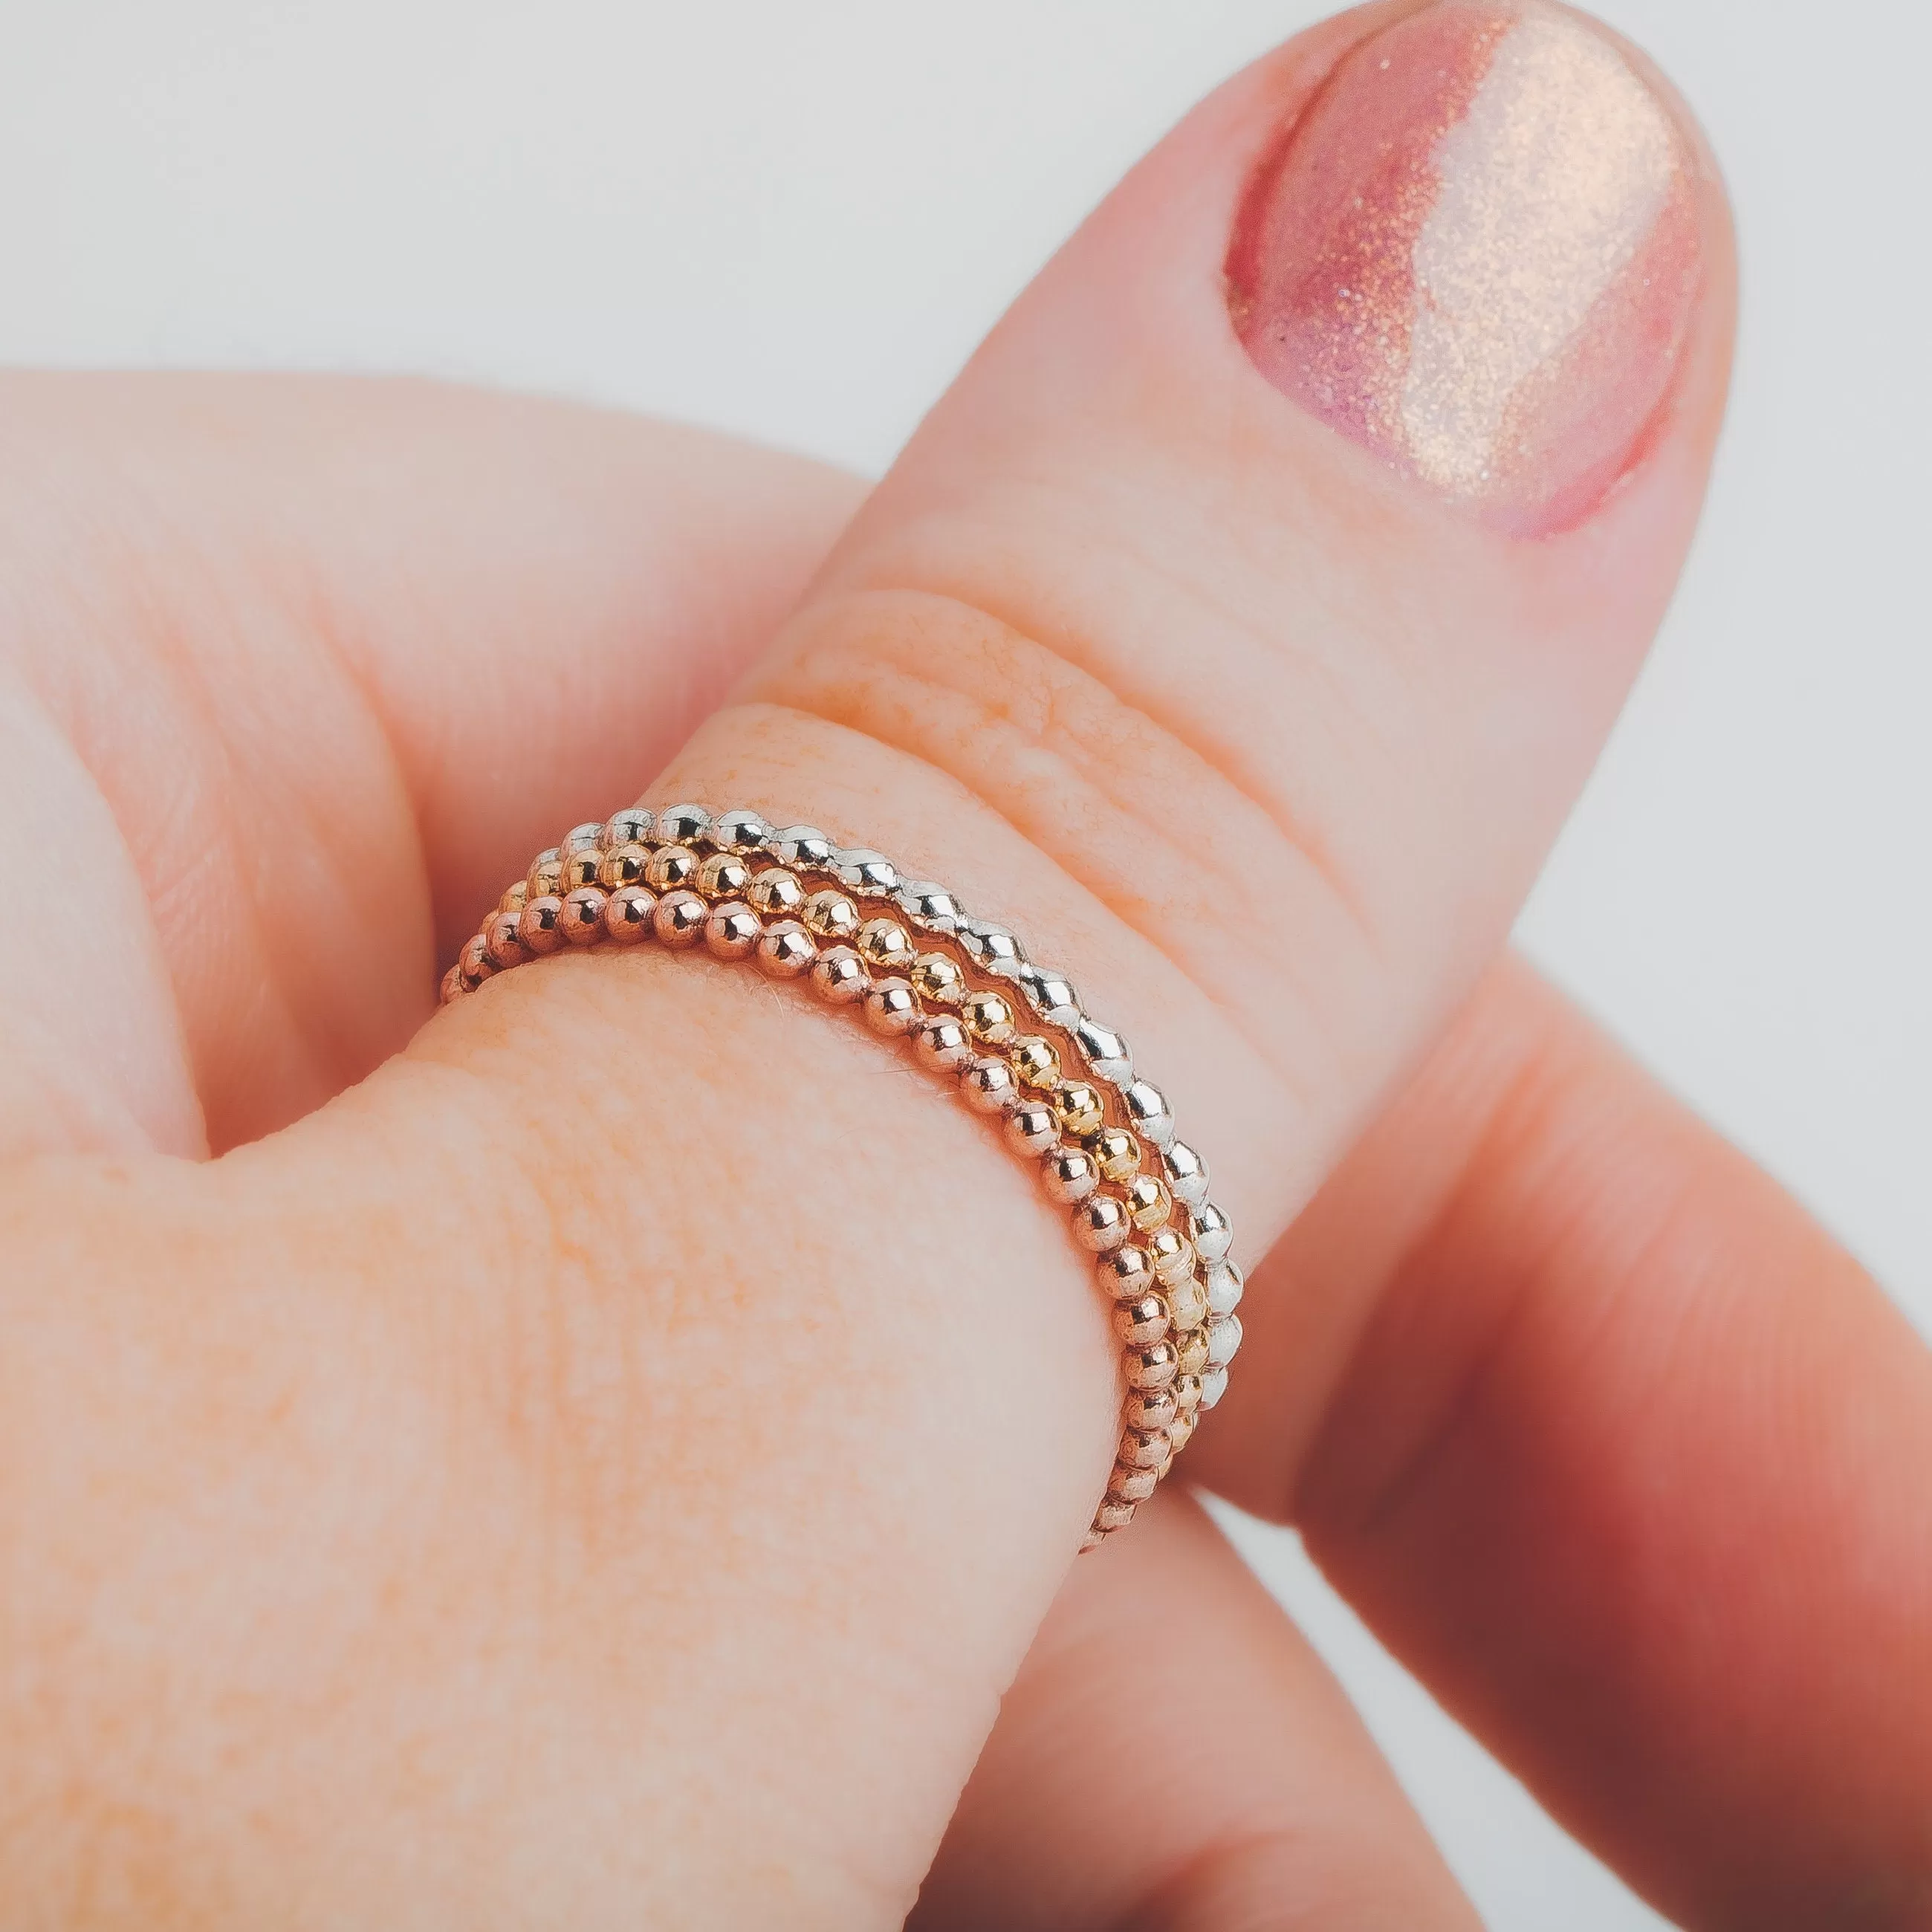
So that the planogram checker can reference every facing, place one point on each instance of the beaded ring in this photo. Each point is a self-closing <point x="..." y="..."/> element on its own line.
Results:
<point x="920" y="968"/>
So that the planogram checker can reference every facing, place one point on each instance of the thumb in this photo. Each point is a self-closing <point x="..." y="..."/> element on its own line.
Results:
<point x="1237" y="630"/>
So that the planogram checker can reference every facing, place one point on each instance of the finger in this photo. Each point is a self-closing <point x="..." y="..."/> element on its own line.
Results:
<point x="1270" y="1806"/>
<point x="365" y="619"/>
<point x="1621" y="1454"/>
<point x="759" y="1412"/>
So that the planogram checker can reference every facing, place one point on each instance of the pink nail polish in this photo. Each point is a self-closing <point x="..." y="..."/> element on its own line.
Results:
<point x="1478" y="253"/>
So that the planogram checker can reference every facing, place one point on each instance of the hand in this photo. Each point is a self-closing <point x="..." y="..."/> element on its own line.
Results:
<point x="606" y="1466"/>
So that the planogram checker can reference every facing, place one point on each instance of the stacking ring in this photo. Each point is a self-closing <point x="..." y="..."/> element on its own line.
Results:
<point x="1009" y="1036"/>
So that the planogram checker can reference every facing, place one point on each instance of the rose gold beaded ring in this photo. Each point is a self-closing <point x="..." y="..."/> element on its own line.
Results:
<point x="1009" y="1036"/>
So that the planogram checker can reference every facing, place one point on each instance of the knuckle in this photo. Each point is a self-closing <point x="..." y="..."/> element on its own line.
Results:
<point x="1010" y="717"/>
<point x="1155" y="814"/>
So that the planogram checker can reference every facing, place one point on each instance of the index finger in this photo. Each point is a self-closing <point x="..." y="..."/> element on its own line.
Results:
<point x="1627" y="1458"/>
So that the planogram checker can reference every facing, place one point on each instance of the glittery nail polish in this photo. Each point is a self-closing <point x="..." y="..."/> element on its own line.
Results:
<point x="1477" y="253"/>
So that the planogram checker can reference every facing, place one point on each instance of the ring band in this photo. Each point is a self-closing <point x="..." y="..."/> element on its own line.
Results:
<point x="919" y="967"/>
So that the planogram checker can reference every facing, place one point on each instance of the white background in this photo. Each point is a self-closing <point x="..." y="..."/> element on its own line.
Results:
<point x="794" y="220"/>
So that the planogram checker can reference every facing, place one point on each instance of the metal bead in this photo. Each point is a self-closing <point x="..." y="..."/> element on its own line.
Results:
<point x="941" y="1045"/>
<point x="500" y="939"/>
<point x="627" y="915"/>
<point x="1213" y="1387"/>
<point x="733" y="930"/>
<point x="516" y="896"/>
<point x="669" y="867"/>
<point x="683" y="824"/>
<point x="885" y="943"/>
<point x="626" y="828"/>
<point x="1080" y="1108"/>
<point x="1100" y="1223"/>
<point x="938" y="980"/>
<point x="1172" y="1254"/>
<point x="1032" y="1129"/>
<point x="1186" y="1172"/>
<point x="545" y="880"/>
<point x="452" y="987"/>
<point x="579" y="867"/>
<point x="1181" y="1431"/>
<point x="581" y="922"/>
<point x="1142" y="1320"/>
<point x="991" y="948"/>
<point x="1148" y="1202"/>
<point x="891" y="1008"/>
<point x="1092" y="1539"/>
<point x="840" y="976"/>
<point x="931" y="908"/>
<point x="989" y="1017"/>
<point x="678" y="918"/>
<point x="1116" y="1152"/>
<point x="1186" y="1393"/>
<point x="1148" y="1114"/>
<point x="786" y="950"/>
<point x="1154" y="1366"/>
<point x="987" y="1086"/>
<point x="724" y="876"/>
<point x="1035" y="1063"/>
<point x="580" y="839"/>
<point x="1193" y="1343"/>
<point x="776" y="893"/>
<point x="1225" y="1284"/>
<point x="741" y="831"/>
<point x="1125" y="1273"/>
<point x="1132" y="1486"/>
<point x="1147" y="1410"/>
<point x="1068" y="1175"/>
<point x="1052" y="997"/>
<point x="623" y="866"/>
<point x="1212" y="1235"/>
<point x="869" y="874"/>
<point x="1224" y="1339"/>
<point x="537" y="925"/>
<point x="1104" y="1051"/>
<point x="1145" y="1448"/>
<point x="1111" y="1516"/>
<point x="831" y="915"/>
<point x="803" y="848"/>
<point x="474" y="960"/>
<point x="1187" y="1302"/>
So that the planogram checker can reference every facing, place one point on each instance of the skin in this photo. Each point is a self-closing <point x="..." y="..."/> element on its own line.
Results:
<point x="400" y="1527"/>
